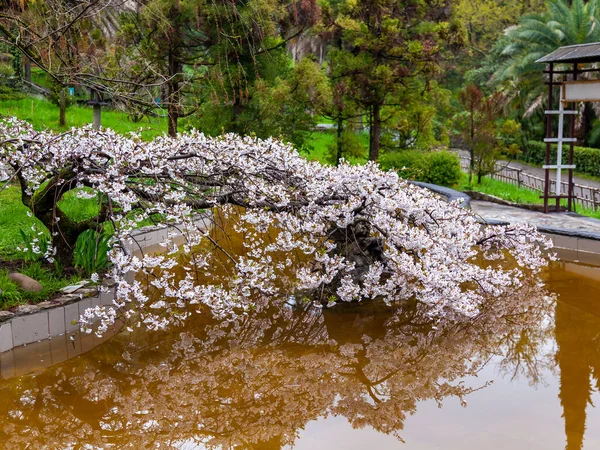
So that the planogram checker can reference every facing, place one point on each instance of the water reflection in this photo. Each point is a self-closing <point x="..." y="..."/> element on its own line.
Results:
<point x="256" y="382"/>
<point x="578" y="354"/>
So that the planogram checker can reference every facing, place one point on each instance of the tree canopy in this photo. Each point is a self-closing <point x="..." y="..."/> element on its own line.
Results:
<point x="322" y="233"/>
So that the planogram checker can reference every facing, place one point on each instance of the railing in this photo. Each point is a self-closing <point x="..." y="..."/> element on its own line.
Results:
<point x="587" y="196"/>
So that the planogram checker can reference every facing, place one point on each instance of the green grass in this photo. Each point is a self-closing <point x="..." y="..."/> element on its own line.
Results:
<point x="43" y="114"/>
<point x="515" y="194"/>
<point x="321" y="141"/>
<point x="13" y="216"/>
<point x="79" y="209"/>
<point x="12" y="295"/>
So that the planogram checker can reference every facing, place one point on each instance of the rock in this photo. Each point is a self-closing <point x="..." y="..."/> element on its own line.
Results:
<point x="5" y="315"/>
<point x="26" y="283"/>
<point x="26" y="309"/>
<point x="74" y="287"/>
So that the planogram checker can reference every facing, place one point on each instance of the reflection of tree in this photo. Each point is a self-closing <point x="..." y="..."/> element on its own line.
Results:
<point x="256" y="381"/>
<point x="578" y="357"/>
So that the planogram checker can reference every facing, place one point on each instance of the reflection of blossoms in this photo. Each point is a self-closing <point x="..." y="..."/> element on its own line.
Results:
<point x="348" y="232"/>
<point x="261" y="377"/>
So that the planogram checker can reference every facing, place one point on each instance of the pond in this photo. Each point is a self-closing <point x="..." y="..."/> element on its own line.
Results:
<point x="349" y="377"/>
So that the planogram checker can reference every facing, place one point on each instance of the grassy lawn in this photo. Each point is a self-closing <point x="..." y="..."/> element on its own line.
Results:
<point x="42" y="114"/>
<point x="515" y="194"/>
<point x="322" y="140"/>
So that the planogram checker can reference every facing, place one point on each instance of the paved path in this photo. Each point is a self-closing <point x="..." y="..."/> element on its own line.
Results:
<point x="567" y="221"/>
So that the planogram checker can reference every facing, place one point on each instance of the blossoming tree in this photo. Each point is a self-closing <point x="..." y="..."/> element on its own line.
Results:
<point x="306" y="230"/>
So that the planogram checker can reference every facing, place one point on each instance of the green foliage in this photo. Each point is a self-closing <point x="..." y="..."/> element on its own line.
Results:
<point x="17" y="64"/>
<point x="586" y="160"/>
<point x="353" y="146"/>
<point x="436" y="167"/>
<point x="12" y="295"/>
<point x="13" y="217"/>
<point x="563" y="23"/>
<point x="34" y="243"/>
<point x="91" y="251"/>
<point x="486" y="133"/>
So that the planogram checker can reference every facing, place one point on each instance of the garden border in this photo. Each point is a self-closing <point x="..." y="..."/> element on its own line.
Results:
<point x="571" y="245"/>
<point x="48" y="319"/>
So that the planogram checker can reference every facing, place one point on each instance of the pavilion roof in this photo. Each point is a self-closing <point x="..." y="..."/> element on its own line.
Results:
<point x="574" y="53"/>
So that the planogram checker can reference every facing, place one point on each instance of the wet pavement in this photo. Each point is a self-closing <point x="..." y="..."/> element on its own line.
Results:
<point x="567" y="221"/>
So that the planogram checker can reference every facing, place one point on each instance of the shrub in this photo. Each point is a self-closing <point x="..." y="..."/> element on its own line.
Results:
<point x="586" y="159"/>
<point x="91" y="251"/>
<point x="438" y="167"/>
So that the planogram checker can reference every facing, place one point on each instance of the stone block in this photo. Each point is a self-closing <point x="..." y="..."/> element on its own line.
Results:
<point x="74" y="345"/>
<point x="32" y="357"/>
<point x="6" y="339"/>
<point x="588" y="245"/>
<point x="83" y="305"/>
<point x="30" y="328"/>
<point x="71" y="317"/>
<point x="96" y="300"/>
<point x="565" y="254"/>
<point x="58" y="349"/>
<point x="592" y="259"/>
<point x="5" y="316"/>
<point x="106" y="298"/>
<point x="7" y="365"/>
<point x="568" y="242"/>
<point x="56" y="321"/>
<point x="87" y="342"/>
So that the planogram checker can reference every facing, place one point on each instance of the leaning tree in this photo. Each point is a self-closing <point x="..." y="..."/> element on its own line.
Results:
<point x="281" y="226"/>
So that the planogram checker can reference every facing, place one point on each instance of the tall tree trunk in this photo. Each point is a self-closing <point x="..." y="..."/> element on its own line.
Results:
<point x="62" y="118"/>
<point x="375" y="133"/>
<point x="173" y="94"/>
<point x="175" y="67"/>
<point x="471" y="145"/>
<point x="340" y="130"/>
<point x="27" y="68"/>
<point x="238" y="109"/>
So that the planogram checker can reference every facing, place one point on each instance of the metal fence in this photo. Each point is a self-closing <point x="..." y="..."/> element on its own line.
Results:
<point x="587" y="196"/>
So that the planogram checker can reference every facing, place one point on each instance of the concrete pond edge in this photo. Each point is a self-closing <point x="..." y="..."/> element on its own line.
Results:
<point x="33" y="323"/>
<point x="48" y="319"/>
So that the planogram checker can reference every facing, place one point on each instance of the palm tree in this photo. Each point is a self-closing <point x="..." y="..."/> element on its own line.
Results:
<point x="564" y="23"/>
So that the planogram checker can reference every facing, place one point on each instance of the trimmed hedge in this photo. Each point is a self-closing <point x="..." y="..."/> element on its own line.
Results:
<point x="586" y="159"/>
<point x="437" y="167"/>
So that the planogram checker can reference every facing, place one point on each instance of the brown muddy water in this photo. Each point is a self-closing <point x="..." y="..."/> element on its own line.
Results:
<point x="352" y="377"/>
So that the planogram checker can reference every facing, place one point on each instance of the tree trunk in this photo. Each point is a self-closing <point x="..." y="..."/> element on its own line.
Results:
<point x="27" y="69"/>
<point x="173" y="97"/>
<point x="340" y="130"/>
<point x="375" y="133"/>
<point x="62" y="119"/>
<point x="97" y="117"/>
<point x="471" y="145"/>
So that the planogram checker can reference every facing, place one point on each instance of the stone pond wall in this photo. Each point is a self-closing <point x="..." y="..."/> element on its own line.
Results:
<point x="28" y="324"/>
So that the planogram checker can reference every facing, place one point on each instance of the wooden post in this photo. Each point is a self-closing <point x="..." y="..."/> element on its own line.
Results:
<point x="96" y="108"/>
<point x="570" y="188"/>
<point x="519" y="181"/>
<point x="548" y="135"/>
<point x="62" y="117"/>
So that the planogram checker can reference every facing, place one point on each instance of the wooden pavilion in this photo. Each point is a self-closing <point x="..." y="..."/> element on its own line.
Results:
<point x="564" y="67"/>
